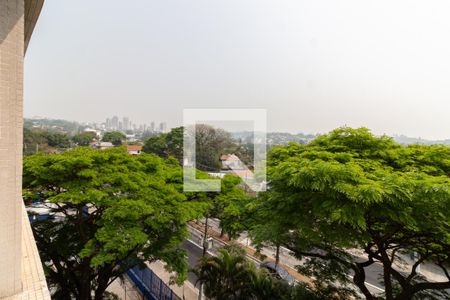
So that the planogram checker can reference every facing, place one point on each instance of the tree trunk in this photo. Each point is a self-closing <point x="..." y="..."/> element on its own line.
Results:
<point x="101" y="288"/>
<point x="358" y="279"/>
<point x="205" y="237"/>
<point x="406" y="294"/>
<point x="85" y="290"/>
<point x="277" y="255"/>
<point x="387" y="284"/>
<point x="65" y="291"/>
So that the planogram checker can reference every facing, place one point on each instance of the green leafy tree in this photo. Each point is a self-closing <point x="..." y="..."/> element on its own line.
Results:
<point x="84" y="138"/>
<point x="266" y="228"/>
<point x="230" y="275"/>
<point x="111" y="211"/>
<point x="230" y="206"/>
<point x="156" y="145"/>
<point x="34" y="140"/>
<point x="174" y="142"/>
<point x="39" y="140"/>
<point x="210" y="144"/>
<point x="226" y="276"/>
<point x="115" y="137"/>
<point x="242" y="148"/>
<point x="57" y="139"/>
<point x="52" y="124"/>
<point x="351" y="190"/>
<point x="166" y="144"/>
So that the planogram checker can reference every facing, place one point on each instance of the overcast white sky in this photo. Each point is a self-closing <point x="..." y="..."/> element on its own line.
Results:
<point x="314" y="65"/>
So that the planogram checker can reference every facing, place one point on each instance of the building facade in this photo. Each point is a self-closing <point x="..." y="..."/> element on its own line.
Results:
<point x="21" y="275"/>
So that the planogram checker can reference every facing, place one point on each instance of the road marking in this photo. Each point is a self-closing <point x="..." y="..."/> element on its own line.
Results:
<point x="369" y="284"/>
<point x="194" y="243"/>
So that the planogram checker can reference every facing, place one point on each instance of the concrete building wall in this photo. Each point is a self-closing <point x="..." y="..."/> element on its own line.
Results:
<point x="11" y="122"/>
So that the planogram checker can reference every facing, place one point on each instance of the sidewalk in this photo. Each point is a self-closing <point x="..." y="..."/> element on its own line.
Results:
<point x="187" y="290"/>
<point x="124" y="289"/>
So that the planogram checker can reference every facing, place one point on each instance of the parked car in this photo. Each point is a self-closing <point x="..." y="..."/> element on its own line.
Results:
<point x="278" y="272"/>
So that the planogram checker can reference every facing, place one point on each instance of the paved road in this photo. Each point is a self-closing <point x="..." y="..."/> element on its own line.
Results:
<point x="373" y="272"/>
<point x="194" y="255"/>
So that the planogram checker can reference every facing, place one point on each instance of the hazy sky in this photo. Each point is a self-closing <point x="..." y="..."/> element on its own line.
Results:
<point x="314" y="65"/>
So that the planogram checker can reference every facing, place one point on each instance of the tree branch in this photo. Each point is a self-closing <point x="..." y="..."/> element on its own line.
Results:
<point x="430" y="285"/>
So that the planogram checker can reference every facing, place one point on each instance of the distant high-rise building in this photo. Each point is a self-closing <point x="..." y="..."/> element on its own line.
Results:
<point x="152" y="126"/>
<point x="115" y="123"/>
<point x="108" y="123"/>
<point x="162" y="127"/>
<point x="126" y="123"/>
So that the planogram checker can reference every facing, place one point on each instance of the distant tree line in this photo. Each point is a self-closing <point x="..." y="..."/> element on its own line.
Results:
<point x="48" y="140"/>
<point x="54" y="125"/>
<point x="39" y="140"/>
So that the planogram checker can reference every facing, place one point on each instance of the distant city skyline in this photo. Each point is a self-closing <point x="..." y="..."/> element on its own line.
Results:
<point x="314" y="65"/>
<point x="156" y="126"/>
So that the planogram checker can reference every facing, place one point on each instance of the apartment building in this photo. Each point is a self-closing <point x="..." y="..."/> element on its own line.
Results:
<point x="21" y="274"/>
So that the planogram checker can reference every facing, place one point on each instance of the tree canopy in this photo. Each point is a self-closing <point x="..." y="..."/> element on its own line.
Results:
<point x="350" y="190"/>
<point x="111" y="211"/>
<point x="166" y="144"/>
<point x="230" y="206"/>
<point x="115" y="137"/>
<point x="211" y="143"/>
<point x="231" y="276"/>
<point x="84" y="138"/>
<point x="39" y="140"/>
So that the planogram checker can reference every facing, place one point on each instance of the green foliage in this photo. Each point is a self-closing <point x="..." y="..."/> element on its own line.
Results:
<point x="242" y="150"/>
<point x="166" y="144"/>
<point x="266" y="228"/>
<point x="61" y="126"/>
<point x="84" y="138"/>
<point x="33" y="140"/>
<point x="230" y="275"/>
<point x="38" y="140"/>
<point x="230" y="206"/>
<point x="57" y="140"/>
<point x="349" y="189"/>
<point x="210" y="144"/>
<point x="225" y="276"/>
<point x="113" y="211"/>
<point x="115" y="137"/>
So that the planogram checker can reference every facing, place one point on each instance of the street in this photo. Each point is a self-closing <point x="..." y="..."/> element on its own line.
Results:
<point x="194" y="255"/>
<point x="373" y="272"/>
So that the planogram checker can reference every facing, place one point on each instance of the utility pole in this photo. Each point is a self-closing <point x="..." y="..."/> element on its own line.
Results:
<point x="205" y="237"/>
<point x="205" y="250"/>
